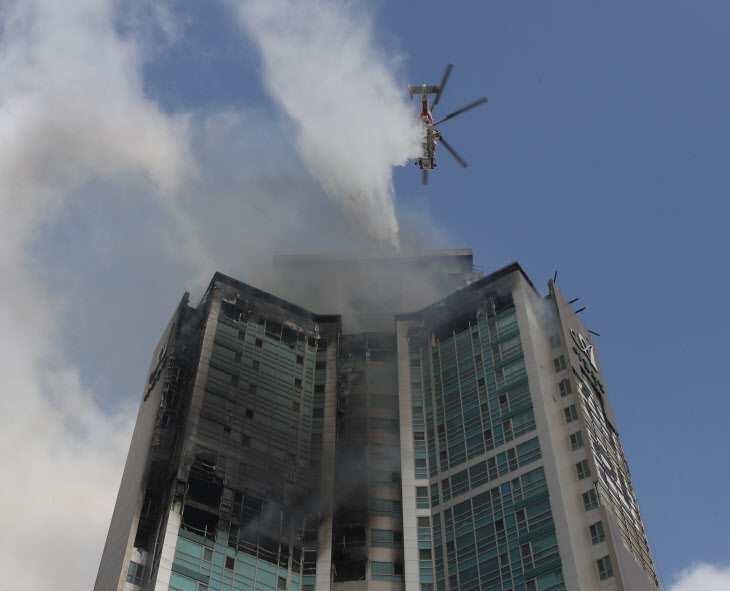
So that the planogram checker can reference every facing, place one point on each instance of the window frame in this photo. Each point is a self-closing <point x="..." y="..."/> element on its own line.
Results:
<point x="583" y="469"/>
<point x="597" y="532"/>
<point x="605" y="568"/>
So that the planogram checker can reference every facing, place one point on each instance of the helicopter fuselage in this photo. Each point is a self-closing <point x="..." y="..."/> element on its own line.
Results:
<point x="427" y="161"/>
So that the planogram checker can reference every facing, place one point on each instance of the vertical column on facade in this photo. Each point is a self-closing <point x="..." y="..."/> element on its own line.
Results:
<point x="405" y="407"/>
<point x="169" y="543"/>
<point x="329" y="436"/>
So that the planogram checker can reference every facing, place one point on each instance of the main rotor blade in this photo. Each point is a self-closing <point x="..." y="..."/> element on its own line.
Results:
<point x="453" y="153"/>
<point x="447" y="73"/>
<point x="476" y="103"/>
<point x="424" y="177"/>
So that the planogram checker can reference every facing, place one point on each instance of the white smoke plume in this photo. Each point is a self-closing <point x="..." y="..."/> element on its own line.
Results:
<point x="352" y="122"/>
<point x="72" y="112"/>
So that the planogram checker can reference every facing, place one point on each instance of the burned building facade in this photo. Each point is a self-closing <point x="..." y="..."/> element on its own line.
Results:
<point x="467" y="445"/>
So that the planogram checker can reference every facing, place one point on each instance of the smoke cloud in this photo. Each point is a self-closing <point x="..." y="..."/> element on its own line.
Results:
<point x="72" y="111"/>
<point x="351" y="121"/>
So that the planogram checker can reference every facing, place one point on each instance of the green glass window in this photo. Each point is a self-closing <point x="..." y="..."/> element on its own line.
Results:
<point x="565" y="388"/>
<point x="134" y="573"/>
<point x="571" y="414"/>
<point x="576" y="440"/>
<point x="605" y="568"/>
<point x="583" y="469"/>
<point x="597" y="533"/>
<point x="590" y="500"/>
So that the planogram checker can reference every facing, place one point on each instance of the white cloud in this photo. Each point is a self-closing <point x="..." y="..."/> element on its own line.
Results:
<point x="72" y="111"/>
<point x="351" y="121"/>
<point x="702" y="577"/>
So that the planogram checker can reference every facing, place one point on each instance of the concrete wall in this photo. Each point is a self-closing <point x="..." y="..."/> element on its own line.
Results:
<point x="537" y="323"/>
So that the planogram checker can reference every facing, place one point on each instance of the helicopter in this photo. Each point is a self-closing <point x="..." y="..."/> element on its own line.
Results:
<point x="427" y="160"/>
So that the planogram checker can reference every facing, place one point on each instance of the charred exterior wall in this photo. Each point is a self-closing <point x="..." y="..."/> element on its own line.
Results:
<point x="231" y="434"/>
<point x="367" y="464"/>
<point x="252" y="465"/>
<point x="147" y="472"/>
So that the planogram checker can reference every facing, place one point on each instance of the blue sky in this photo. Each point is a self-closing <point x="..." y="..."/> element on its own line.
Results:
<point x="144" y="149"/>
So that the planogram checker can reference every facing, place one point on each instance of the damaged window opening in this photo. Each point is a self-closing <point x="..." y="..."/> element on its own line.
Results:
<point x="249" y="413"/>
<point x="259" y="342"/>
<point x="230" y="562"/>
<point x="255" y="365"/>
<point x="199" y="521"/>
<point x="237" y="357"/>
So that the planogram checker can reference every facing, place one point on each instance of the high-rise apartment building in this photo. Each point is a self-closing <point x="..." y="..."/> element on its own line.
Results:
<point x="443" y="430"/>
